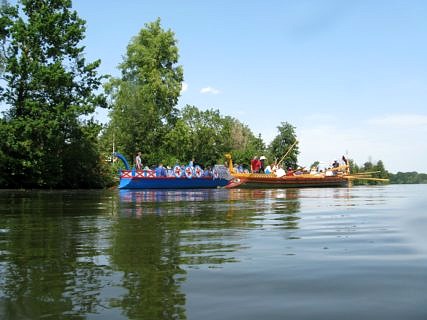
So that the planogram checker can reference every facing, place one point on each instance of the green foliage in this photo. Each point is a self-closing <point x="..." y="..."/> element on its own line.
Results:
<point x="49" y="86"/>
<point x="244" y="144"/>
<point x="144" y="98"/>
<point x="378" y="171"/>
<point x="282" y="143"/>
<point x="408" y="178"/>
<point x="207" y="136"/>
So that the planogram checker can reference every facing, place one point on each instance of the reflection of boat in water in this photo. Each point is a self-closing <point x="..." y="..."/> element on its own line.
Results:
<point x="180" y="178"/>
<point x="171" y="196"/>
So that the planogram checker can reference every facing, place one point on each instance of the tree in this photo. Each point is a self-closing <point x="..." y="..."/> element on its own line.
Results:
<point x="242" y="142"/>
<point x="48" y="89"/>
<point x="202" y="135"/>
<point x="282" y="143"/>
<point x="144" y="98"/>
<point x="408" y="177"/>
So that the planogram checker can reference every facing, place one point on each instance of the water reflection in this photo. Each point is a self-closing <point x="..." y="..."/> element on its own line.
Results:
<point x="124" y="254"/>
<point x="41" y="270"/>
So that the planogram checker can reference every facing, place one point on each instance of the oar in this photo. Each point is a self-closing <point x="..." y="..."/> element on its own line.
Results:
<point x="287" y="152"/>
<point x="366" y="178"/>
<point x="365" y="173"/>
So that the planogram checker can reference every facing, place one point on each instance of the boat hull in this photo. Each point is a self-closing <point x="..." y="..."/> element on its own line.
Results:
<point x="297" y="181"/>
<point x="170" y="183"/>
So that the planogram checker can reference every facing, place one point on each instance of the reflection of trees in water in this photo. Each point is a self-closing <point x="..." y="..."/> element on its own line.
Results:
<point x="147" y="252"/>
<point x="177" y="231"/>
<point x="42" y="273"/>
<point x="61" y="259"/>
<point x="286" y="205"/>
<point x="282" y="202"/>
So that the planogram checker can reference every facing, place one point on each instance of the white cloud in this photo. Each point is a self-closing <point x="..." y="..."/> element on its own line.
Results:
<point x="184" y="87"/>
<point x="209" y="90"/>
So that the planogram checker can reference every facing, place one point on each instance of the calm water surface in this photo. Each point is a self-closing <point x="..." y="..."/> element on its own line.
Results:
<point x="335" y="253"/>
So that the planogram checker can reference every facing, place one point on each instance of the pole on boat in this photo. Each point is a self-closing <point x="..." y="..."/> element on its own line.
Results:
<point x="287" y="152"/>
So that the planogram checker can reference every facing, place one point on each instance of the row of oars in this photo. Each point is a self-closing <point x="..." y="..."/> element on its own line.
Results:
<point x="365" y="176"/>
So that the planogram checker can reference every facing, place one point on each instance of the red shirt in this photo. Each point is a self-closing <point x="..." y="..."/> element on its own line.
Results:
<point x="255" y="165"/>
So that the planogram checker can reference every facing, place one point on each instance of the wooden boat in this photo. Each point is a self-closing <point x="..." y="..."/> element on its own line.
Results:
<point x="180" y="178"/>
<point x="335" y="178"/>
<point x="260" y="180"/>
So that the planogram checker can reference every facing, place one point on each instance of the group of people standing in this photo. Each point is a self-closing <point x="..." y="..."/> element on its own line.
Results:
<point x="258" y="165"/>
<point x="162" y="171"/>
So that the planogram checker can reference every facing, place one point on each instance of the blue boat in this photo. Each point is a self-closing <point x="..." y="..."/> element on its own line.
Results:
<point x="179" y="178"/>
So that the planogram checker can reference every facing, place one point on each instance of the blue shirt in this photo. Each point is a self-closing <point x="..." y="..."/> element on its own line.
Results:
<point x="160" y="172"/>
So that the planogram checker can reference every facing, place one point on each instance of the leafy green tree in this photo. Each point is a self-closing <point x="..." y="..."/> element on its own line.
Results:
<point x="282" y="143"/>
<point x="376" y="170"/>
<point x="205" y="137"/>
<point x="382" y="172"/>
<point x="408" y="177"/>
<point x="178" y="142"/>
<point x="244" y="145"/>
<point x="47" y="87"/>
<point x="144" y="98"/>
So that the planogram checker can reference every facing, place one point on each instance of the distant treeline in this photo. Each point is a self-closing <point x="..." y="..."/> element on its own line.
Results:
<point x="407" y="178"/>
<point x="378" y="171"/>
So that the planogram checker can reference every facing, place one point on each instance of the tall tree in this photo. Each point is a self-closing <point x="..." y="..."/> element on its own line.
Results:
<point x="282" y="144"/>
<point x="144" y="98"/>
<point x="48" y="87"/>
<point x="241" y="141"/>
<point x="207" y="136"/>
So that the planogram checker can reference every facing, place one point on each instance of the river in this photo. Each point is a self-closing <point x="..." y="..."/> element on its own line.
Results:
<point x="327" y="253"/>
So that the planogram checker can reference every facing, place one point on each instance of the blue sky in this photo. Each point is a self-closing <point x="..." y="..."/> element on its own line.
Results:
<point x="350" y="75"/>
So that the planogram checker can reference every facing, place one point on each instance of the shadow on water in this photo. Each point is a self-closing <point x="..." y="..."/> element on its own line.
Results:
<point x="122" y="254"/>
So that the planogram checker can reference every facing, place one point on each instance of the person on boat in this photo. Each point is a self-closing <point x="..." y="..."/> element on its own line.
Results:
<point x="274" y="167"/>
<point x="314" y="170"/>
<point x="335" y="167"/>
<point x="160" y="171"/>
<point x="138" y="161"/>
<point x="329" y="172"/>
<point x="207" y="172"/>
<point x="169" y="171"/>
<point x="255" y="165"/>
<point x="262" y="164"/>
<point x="290" y="172"/>
<point x="240" y="168"/>
<point x="345" y="160"/>
<point x="191" y="163"/>
<point x="267" y="169"/>
<point x="236" y="168"/>
<point x="253" y="161"/>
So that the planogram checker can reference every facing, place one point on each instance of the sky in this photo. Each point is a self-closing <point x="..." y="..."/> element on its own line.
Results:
<point x="351" y="76"/>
